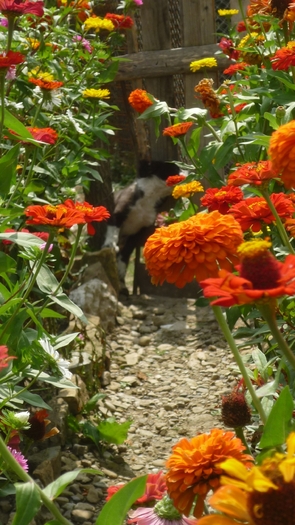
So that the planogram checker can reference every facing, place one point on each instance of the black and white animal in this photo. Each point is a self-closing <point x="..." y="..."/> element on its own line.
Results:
<point x="136" y="209"/>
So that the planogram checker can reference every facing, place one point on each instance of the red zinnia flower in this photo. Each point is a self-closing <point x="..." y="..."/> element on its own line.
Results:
<point x="12" y="58"/>
<point x="37" y="430"/>
<point x="261" y="276"/>
<point x="120" y="21"/>
<point x="174" y="179"/>
<point x="4" y="357"/>
<point x="227" y="47"/>
<point x="241" y="26"/>
<point x="284" y="57"/>
<point x="59" y="216"/>
<point x="47" y="135"/>
<point x="17" y="7"/>
<point x="154" y="490"/>
<point x="90" y="213"/>
<point x="221" y="198"/>
<point x="255" y="173"/>
<point x="177" y="130"/>
<point x="48" y="85"/>
<point x="254" y="211"/>
<point x="234" y="68"/>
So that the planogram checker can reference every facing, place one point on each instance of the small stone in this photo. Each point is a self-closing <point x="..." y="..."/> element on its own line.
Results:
<point x="109" y="473"/>
<point x="93" y="495"/>
<point x="132" y="359"/>
<point x="144" y="340"/>
<point x="81" y="515"/>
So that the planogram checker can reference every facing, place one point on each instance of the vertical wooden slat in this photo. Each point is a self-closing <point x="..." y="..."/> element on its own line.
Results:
<point x="156" y="35"/>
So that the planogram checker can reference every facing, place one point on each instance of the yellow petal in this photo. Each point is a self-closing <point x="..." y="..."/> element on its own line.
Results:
<point x="234" y="468"/>
<point x="232" y="501"/>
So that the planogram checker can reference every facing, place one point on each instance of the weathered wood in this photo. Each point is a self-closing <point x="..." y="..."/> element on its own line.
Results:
<point x="162" y="63"/>
<point x="156" y="35"/>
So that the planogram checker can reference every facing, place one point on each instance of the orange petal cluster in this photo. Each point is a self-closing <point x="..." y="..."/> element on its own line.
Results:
<point x="284" y="57"/>
<point x="254" y="211"/>
<point x="282" y="153"/>
<point x="5" y="357"/>
<point x="193" y="467"/>
<point x="221" y="198"/>
<point x="90" y="213"/>
<point x="208" y="96"/>
<point x="120" y="21"/>
<point x="177" y="130"/>
<point x="44" y="84"/>
<point x="195" y="248"/>
<point x="175" y="179"/>
<point x="139" y="100"/>
<point x="255" y="173"/>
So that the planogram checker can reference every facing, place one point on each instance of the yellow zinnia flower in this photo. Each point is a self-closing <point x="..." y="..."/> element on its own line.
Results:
<point x="96" y="23"/>
<point x="96" y="93"/>
<point x="204" y="62"/>
<point x="227" y="12"/>
<point x="262" y="495"/>
<point x="42" y="75"/>
<point x="187" y="190"/>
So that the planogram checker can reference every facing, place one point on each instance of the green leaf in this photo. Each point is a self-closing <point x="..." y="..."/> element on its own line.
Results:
<point x="54" y="489"/>
<point x="47" y="312"/>
<point x="23" y="239"/>
<point x="32" y="399"/>
<point x="115" y="510"/>
<point x="114" y="432"/>
<point x="90" y="431"/>
<point x="64" y="340"/>
<point x="6" y="263"/>
<point x="278" y="424"/>
<point x="67" y="304"/>
<point x="28" y="502"/>
<point x="15" y="125"/>
<point x="56" y="381"/>
<point x="232" y="315"/>
<point x="8" y="165"/>
<point x="91" y="404"/>
<point x="272" y="120"/>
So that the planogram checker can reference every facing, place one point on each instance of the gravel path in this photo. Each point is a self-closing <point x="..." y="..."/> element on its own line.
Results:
<point x="169" y="368"/>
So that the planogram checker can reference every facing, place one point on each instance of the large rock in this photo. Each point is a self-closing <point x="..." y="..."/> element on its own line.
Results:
<point x="96" y="296"/>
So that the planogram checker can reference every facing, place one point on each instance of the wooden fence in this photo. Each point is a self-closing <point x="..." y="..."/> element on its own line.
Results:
<point x="168" y="35"/>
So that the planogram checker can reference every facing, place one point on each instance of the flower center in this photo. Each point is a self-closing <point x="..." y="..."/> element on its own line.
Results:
<point x="165" y="509"/>
<point x="274" y="507"/>
<point x="258" y="265"/>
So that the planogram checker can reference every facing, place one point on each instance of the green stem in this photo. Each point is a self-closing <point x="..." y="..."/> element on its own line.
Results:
<point x="2" y="99"/>
<point x="268" y="313"/>
<point x="240" y="434"/>
<point x="38" y="112"/>
<point x="229" y="338"/>
<point x="207" y="125"/>
<point x="10" y="31"/>
<point x="23" y="476"/>
<point x="279" y="224"/>
<point x="29" y="177"/>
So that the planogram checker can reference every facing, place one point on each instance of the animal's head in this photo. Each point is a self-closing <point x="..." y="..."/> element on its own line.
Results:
<point x="161" y="169"/>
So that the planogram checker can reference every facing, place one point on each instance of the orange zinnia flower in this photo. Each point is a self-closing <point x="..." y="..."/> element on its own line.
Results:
<point x="261" y="276"/>
<point x="140" y="100"/>
<point x="90" y="213"/>
<point x="59" y="216"/>
<point x="47" y="135"/>
<point x="221" y="198"/>
<point x="120" y="21"/>
<point x="194" y="248"/>
<point x="284" y="57"/>
<point x="45" y="84"/>
<point x="208" y="96"/>
<point x="254" y="211"/>
<point x="177" y="130"/>
<point x="193" y="467"/>
<point x="174" y="179"/>
<point x="234" y="68"/>
<point x="282" y="153"/>
<point x="255" y="173"/>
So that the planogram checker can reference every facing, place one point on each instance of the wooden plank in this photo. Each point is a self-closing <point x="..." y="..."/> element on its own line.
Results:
<point x="156" y="36"/>
<point x="161" y="63"/>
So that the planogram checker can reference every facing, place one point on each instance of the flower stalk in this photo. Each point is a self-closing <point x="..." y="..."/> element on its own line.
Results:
<point x="230" y="340"/>
<point x="267" y="311"/>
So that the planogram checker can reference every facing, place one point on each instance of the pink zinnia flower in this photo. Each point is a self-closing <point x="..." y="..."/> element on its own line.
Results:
<point x="18" y="456"/>
<point x="162" y="514"/>
<point x="154" y="490"/>
<point x="138" y="2"/>
<point x="4" y="357"/>
<point x="84" y="42"/>
<point x="17" y="8"/>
